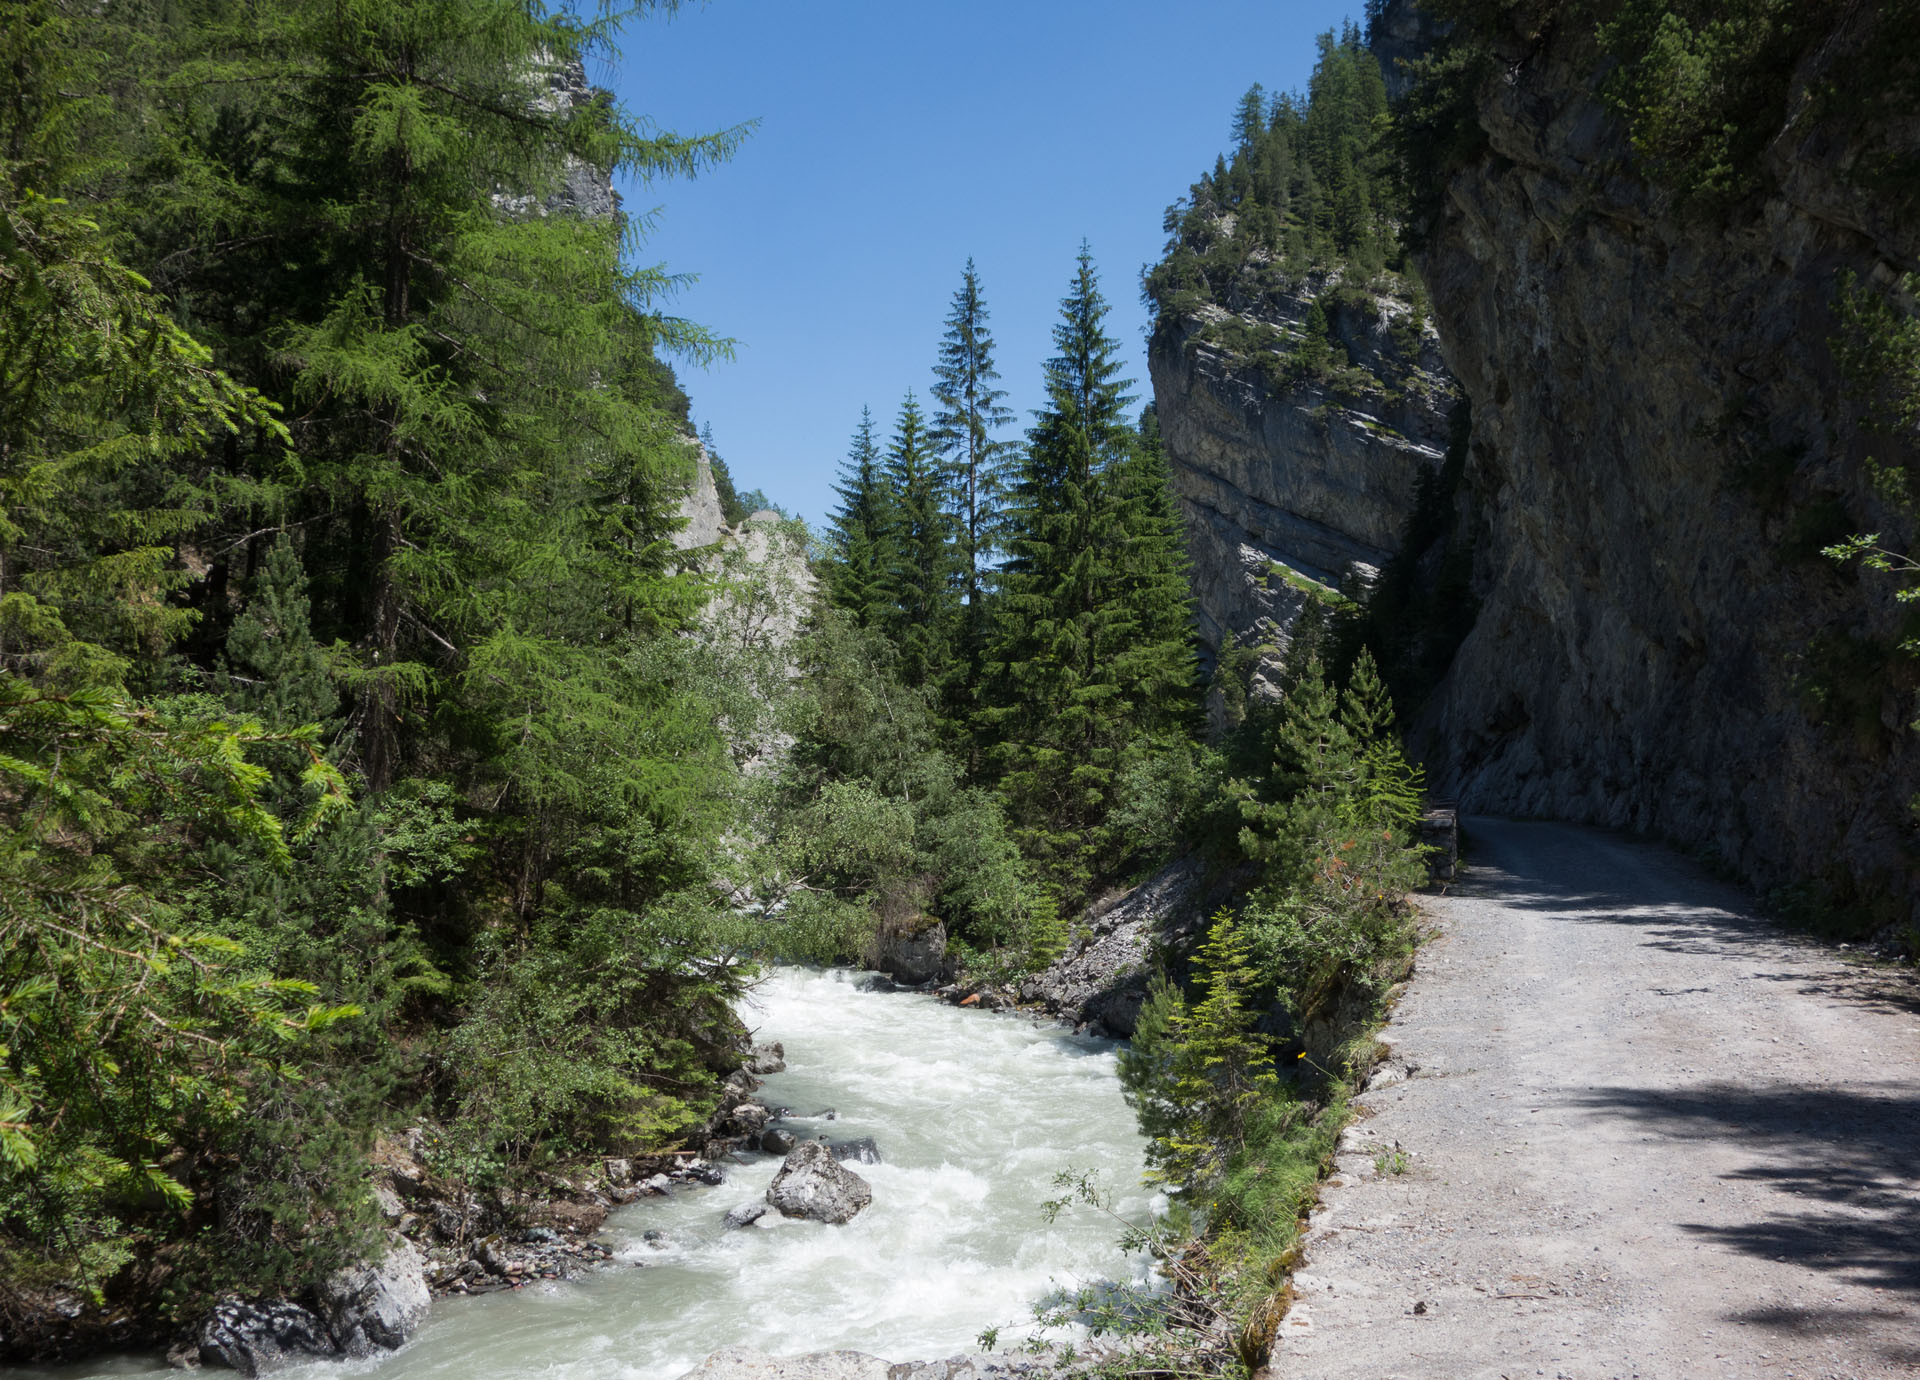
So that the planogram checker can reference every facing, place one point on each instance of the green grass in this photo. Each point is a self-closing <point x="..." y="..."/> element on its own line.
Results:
<point x="1306" y="584"/>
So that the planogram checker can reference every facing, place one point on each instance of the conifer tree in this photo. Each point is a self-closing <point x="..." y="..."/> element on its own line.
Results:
<point x="1250" y="120"/>
<point x="969" y="410"/>
<point x="1196" y="1069"/>
<point x="923" y="585"/>
<point x="1077" y="676"/>
<point x="1391" y="788"/>
<point x="473" y="370"/>
<point x="275" y="667"/>
<point x="861" y="534"/>
<point x="1151" y="577"/>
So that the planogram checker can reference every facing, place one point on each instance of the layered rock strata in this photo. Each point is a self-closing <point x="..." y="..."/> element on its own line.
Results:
<point x="1287" y="486"/>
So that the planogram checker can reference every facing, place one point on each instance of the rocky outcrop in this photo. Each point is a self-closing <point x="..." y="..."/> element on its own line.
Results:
<point x="376" y="1306"/>
<point x="913" y="956"/>
<point x="1286" y="486"/>
<point x="705" y="521"/>
<point x="1101" y="980"/>
<point x="582" y="189"/>
<point x="813" y="1184"/>
<point x="1662" y="443"/>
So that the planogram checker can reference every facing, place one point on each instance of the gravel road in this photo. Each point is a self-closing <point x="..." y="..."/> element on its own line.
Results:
<point x="1645" y="1134"/>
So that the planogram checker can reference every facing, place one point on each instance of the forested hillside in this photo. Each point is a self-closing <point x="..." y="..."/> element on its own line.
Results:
<point x="375" y="767"/>
<point x="351" y="755"/>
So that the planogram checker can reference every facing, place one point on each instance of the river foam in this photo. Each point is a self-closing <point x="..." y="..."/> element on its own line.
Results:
<point x="974" y="1115"/>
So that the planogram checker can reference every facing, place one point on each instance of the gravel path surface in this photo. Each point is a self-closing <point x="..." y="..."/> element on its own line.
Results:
<point x="1645" y="1134"/>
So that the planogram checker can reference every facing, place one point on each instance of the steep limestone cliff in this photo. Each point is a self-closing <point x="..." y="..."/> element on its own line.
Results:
<point x="1287" y="482"/>
<point x="1662" y="443"/>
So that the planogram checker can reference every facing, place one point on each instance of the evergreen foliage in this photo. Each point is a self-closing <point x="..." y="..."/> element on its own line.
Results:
<point x="1307" y="189"/>
<point x="1091" y="658"/>
<point x="862" y="542"/>
<point x="1197" y="1072"/>
<point x="924" y="586"/>
<point x="447" y="584"/>
<point x="871" y="828"/>
<point x="969" y="410"/>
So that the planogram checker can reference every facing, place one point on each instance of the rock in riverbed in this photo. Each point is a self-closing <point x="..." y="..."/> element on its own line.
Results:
<point x="858" y="1150"/>
<point x="377" y="1307"/>
<point x="813" y="1184"/>
<point x="362" y="1309"/>
<point x="745" y="1215"/>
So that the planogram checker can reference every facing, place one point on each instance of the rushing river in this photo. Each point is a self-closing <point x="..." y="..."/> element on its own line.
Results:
<point x="974" y="1114"/>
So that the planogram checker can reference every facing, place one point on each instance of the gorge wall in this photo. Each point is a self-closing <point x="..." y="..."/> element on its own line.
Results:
<point x="1286" y="488"/>
<point x="1662" y="443"/>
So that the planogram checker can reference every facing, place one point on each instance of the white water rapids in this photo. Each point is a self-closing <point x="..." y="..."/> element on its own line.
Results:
<point x="973" y="1113"/>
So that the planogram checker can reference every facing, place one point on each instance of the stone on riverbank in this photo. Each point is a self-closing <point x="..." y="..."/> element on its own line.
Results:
<point x="255" y="1338"/>
<point x="362" y="1309"/>
<point x="373" y="1307"/>
<point x="914" y="957"/>
<point x="813" y="1184"/>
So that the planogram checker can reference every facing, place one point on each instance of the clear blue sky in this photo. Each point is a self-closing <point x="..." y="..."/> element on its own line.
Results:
<point x="894" y="141"/>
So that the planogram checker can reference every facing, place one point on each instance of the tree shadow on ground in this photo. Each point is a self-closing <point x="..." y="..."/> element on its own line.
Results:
<point x="1844" y="1164"/>
<point x="1674" y="904"/>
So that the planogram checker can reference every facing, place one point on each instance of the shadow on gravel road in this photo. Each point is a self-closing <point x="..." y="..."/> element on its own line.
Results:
<point x="1859" y="1325"/>
<point x="1713" y="930"/>
<point x="1845" y="1163"/>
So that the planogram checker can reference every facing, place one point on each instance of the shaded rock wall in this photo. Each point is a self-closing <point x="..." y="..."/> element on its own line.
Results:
<point x="1662" y="442"/>
<point x="1278" y="481"/>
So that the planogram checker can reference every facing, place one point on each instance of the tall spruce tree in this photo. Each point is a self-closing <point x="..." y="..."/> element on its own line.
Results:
<point x="861" y="534"/>
<point x="1074" y="686"/>
<point x="1150" y="572"/>
<point x="925" y="595"/>
<point x="970" y="409"/>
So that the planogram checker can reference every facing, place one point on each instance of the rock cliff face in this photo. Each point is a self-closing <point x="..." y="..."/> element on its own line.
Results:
<point x="1662" y="442"/>
<point x="1285" y="485"/>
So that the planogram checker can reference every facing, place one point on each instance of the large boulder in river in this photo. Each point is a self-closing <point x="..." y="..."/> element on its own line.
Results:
<point x="359" y="1310"/>
<point x="914" y="956"/>
<point x="255" y="1338"/>
<point x="373" y="1308"/>
<point x="812" y="1183"/>
<point x="768" y="1058"/>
